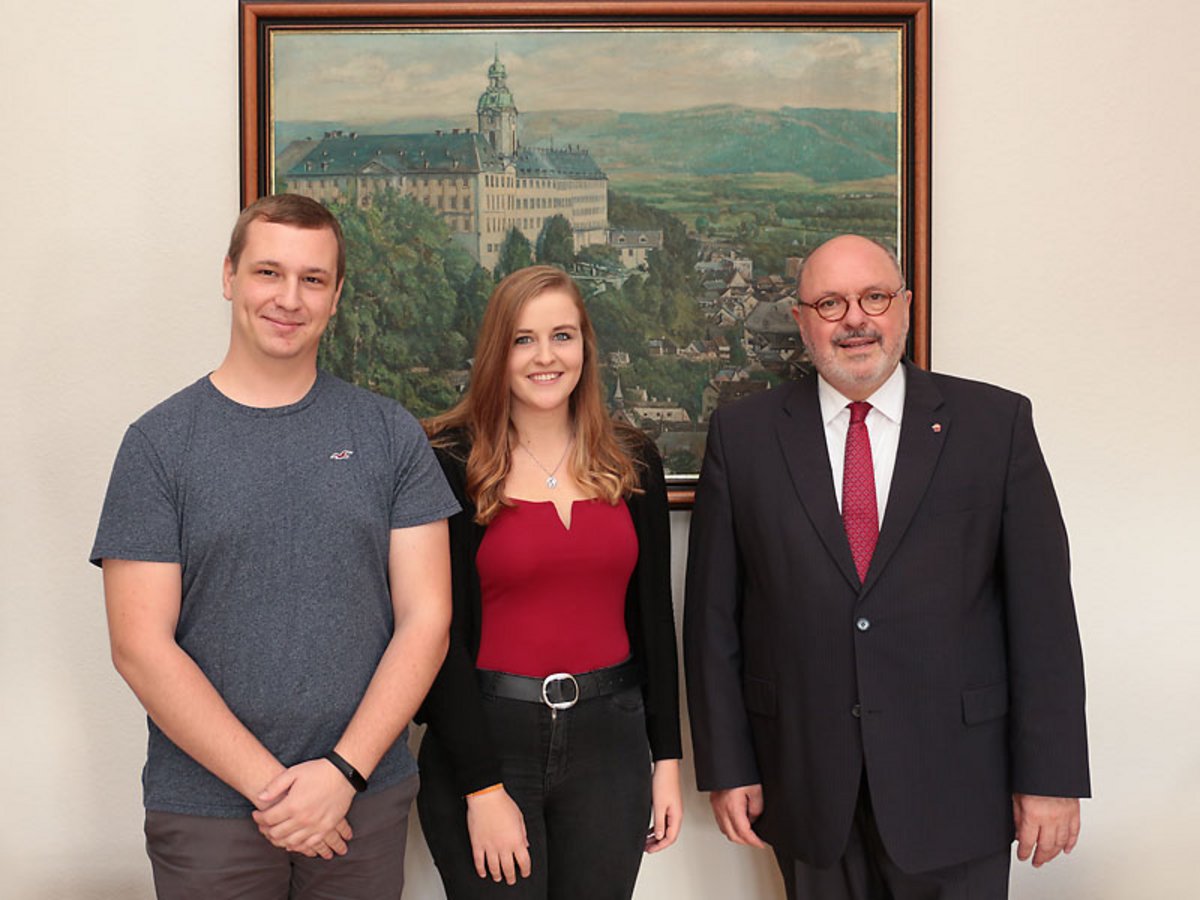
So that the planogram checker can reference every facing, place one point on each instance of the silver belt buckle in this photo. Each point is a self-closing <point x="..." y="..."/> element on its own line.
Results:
<point x="560" y="704"/>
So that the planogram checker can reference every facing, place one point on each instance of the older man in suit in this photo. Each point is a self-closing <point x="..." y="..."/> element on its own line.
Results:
<point x="883" y="664"/>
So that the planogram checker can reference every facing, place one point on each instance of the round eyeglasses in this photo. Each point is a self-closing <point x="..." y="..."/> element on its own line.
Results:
<point x="873" y="302"/>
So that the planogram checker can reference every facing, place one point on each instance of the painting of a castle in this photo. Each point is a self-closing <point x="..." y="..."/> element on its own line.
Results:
<point x="482" y="182"/>
<point x="680" y="175"/>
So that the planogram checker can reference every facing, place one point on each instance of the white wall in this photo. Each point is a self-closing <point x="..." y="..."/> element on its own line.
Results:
<point x="1066" y="204"/>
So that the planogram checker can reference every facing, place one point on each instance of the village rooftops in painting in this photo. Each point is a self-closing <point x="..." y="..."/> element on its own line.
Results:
<point x="635" y="244"/>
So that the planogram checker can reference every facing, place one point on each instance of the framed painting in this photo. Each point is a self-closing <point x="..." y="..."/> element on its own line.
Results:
<point x="678" y="158"/>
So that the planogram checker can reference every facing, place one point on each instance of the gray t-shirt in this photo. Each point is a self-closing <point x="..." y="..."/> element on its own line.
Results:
<point x="281" y="521"/>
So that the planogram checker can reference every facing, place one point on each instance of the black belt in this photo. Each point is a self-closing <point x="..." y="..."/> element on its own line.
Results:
<point x="562" y="690"/>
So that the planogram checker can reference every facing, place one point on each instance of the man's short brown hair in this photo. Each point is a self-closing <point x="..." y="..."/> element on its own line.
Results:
<point x="287" y="209"/>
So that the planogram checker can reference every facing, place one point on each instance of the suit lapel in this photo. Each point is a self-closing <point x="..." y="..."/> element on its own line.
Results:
<point x="922" y="435"/>
<point x="801" y="435"/>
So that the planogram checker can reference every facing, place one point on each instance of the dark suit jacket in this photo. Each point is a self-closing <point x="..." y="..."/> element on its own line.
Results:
<point x="953" y="674"/>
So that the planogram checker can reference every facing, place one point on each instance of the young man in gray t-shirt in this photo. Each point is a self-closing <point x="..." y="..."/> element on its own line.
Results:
<point x="277" y="578"/>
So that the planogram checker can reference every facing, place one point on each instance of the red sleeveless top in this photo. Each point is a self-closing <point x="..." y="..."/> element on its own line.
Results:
<point x="554" y="598"/>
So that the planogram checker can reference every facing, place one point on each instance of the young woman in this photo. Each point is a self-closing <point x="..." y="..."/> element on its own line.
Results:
<point x="561" y="683"/>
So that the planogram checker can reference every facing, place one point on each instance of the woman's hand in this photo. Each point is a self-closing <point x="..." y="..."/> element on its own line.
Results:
<point x="667" y="799"/>
<point x="498" y="840"/>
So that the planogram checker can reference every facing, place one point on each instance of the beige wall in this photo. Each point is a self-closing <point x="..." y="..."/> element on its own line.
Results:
<point x="1065" y="229"/>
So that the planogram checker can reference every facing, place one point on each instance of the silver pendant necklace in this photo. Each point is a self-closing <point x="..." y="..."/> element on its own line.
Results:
<point x="551" y="481"/>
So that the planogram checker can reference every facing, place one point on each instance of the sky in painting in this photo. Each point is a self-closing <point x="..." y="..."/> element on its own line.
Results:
<point x="374" y="77"/>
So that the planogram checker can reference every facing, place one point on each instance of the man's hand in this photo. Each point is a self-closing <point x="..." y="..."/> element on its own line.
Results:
<point x="735" y="810"/>
<point x="303" y="809"/>
<point x="334" y="843"/>
<point x="1051" y="824"/>
<point x="498" y="839"/>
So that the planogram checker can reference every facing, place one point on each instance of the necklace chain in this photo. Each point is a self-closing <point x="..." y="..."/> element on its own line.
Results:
<point x="551" y="480"/>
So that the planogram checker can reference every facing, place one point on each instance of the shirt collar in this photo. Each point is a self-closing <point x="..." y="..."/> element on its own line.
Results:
<point x="888" y="397"/>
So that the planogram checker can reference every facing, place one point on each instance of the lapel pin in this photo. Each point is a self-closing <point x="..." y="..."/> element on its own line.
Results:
<point x="937" y="427"/>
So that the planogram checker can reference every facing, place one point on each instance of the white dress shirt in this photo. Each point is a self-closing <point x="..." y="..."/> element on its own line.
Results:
<point x="883" y="428"/>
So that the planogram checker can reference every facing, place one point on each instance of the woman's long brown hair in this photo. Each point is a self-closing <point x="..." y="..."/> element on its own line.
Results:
<point x="602" y="458"/>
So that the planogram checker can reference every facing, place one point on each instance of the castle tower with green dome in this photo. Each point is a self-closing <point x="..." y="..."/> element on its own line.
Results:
<point x="497" y="112"/>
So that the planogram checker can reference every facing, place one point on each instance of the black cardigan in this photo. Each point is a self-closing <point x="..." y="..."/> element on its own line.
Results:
<point x="454" y="707"/>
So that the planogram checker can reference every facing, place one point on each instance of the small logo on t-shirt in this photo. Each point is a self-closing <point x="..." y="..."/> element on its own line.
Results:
<point x="342" y="454"/>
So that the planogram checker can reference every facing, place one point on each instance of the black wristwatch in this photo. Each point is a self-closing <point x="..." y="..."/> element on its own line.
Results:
<point x="352" y="774"/>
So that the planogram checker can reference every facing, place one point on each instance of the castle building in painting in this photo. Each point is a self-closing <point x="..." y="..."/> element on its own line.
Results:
<point x="481" y="183"/>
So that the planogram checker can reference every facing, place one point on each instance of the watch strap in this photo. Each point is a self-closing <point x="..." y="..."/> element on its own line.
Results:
<point x="352" y="774"/>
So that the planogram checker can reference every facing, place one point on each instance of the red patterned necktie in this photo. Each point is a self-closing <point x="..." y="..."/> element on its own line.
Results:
<point x="860" y="513"/>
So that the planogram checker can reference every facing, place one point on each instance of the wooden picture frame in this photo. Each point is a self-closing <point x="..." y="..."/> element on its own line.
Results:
<point x="753" y="51"/>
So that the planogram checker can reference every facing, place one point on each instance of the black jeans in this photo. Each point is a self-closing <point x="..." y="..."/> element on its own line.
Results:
<point x="582" y="781"/>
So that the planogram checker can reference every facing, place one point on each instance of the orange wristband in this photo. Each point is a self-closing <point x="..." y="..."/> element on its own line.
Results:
<point x="486" y="790"/>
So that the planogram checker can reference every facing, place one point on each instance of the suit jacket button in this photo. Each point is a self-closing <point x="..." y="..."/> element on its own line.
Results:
<point x="856" y="711"/>
<point x="862" y="624"/>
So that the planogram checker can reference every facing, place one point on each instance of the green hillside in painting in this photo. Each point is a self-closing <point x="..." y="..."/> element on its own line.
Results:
<point x="820" y="144"/>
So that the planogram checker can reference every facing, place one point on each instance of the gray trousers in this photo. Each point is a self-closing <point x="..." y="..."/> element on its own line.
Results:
<point x="209" y="858"/>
